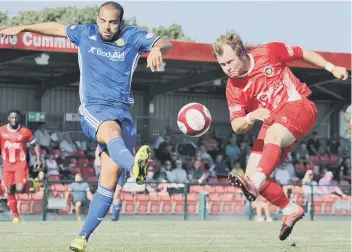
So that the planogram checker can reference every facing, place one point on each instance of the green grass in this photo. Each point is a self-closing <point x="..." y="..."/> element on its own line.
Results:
<point x="178" y="236"/>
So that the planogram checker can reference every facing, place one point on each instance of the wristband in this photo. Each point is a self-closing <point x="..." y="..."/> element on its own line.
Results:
<point x="329" y="67"/>
<point x="248" y="118"/>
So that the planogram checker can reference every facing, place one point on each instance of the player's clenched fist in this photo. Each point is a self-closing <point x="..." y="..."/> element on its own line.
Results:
<point x="340" y="73"/>
<point x="11" y="31"/>
<point x="260" y="114"/>
<point x="155" y="59"/>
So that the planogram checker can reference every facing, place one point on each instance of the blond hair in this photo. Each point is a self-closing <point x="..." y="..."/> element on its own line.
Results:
<point x="231" y="39"/>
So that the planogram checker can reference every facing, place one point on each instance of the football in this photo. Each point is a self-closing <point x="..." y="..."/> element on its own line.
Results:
<point x="194" y="119"/>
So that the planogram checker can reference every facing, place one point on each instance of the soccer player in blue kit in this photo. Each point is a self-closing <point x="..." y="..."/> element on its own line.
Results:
<point x="108" y="55"/>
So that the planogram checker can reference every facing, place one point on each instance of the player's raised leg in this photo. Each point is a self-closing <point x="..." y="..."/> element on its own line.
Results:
<point x="292" y="123"/>
<point x="110" y="133"/>
<point x="101" y="202"/>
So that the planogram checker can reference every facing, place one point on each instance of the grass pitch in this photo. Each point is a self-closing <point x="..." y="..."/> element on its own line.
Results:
<point x="178" y="236"/>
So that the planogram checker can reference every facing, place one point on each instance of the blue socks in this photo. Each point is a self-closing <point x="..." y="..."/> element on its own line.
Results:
<point x="98" y="208"/>
<point x="120" y="154"/>
<point x="116" y="210"/>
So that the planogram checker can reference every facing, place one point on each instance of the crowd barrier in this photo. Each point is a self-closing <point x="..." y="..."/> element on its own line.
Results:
<point x="187" y="199"/>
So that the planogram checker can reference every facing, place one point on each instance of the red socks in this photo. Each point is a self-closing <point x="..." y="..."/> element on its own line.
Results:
<point x="274" y="193"/>
<point x="270" y="159"/>
<point x="12" y="202"/>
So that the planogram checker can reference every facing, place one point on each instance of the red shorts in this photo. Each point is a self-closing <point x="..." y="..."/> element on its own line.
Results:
<point x="299" y="117"/>
<point x="16" y="173"/>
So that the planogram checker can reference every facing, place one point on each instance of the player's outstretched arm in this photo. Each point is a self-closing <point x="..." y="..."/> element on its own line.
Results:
<point x="317" y="60"/>
<point x="164" y="45"/>
<point x="50" y="28"/>
<point x="155" y="59"/>
<point x="243" y="124"/>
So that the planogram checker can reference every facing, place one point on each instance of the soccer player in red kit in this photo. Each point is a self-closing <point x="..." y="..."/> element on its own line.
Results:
<point x="13" y="141"/>
<point x="262" y="87"/>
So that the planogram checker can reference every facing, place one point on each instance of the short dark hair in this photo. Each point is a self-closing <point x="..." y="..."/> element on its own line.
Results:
<point x="113" y="5"/>
<point x="14" y="111"/>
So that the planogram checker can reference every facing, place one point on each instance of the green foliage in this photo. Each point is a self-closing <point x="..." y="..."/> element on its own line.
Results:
<point x="73" y="15"/>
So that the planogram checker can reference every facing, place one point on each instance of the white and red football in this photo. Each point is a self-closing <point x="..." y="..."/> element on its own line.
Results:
<point x="194" y="119"/>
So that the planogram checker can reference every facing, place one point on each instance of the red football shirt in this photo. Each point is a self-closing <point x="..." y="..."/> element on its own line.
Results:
<point x="14" y="144"/>
<point x="269" y="83"/>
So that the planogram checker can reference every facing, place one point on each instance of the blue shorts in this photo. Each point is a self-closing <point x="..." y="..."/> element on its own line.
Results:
<point x="91" y="116"/>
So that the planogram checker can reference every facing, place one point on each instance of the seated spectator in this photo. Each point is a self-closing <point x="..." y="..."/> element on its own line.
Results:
<point x="205" y="156"/>
<point x="195" y="174"/>
<point x="309" y="186"/>
<point x="165" y="149"/>
<point x="302" y="154"/>
<point x="151" y="183"/>
<point x="66" y="167"/>
<point x="210" y="143"/>
<point x="317" y="174"/>
<point x="344" y="171"/>
<point x="186" y="148"/>
<point x="326" y="187"/>
<point x="43" y="137"/>
<point x="313" y="144"/>
<point x="52" y="166"/>
<point x="179" y="174"/>
<point x="282" y="176"/>
<point x="232" y="150"/>
<point x="334" y="144"/>
<point x="237" y="169"/>
<point x="165" y="173"/>
<point x="220" y="168"/>
<point x="67" y="146"/>
<point x="290" y="169"/>
<point x="81" y="194"/>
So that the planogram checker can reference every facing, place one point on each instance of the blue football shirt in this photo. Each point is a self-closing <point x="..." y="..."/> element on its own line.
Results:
<point x="107" y="67"/>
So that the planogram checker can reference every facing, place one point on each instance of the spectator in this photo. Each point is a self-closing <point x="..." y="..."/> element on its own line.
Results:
<point x="313" y="144"/>
<point x="67" y="147"/>
<point x="166" y="172"/>
<point x="237" y="169"/>
<point x="205" y="156"/>
<point x="165" y="149"/>
<point x="221" y="169"/>
<point x="210" y="143"/>
<point x="232" y="150"/>
<point x="66" y="167"/>
<point x="39" y="185"/>
<point x="81" y="194"/>
<point x="151" y="183"/>
<point x="309" y="186"/>
<point x="344" y="171"/>
<point x="326" y="186"/>
<point x="282" y="176"/>
<point x="317" y="175"/>
<point x="303" y="154"/>
<point x="290" y="168"/>
<point x="334" y="144"/>
<point x="43" y="137"/>
<point x="196" y="174"/>
<point x="179" y="174"/>
<point x="52" y="166"/>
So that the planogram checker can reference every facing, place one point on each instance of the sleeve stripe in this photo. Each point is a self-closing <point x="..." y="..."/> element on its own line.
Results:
<point x="156" y="39"/>
<point x="67" y="34"/>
